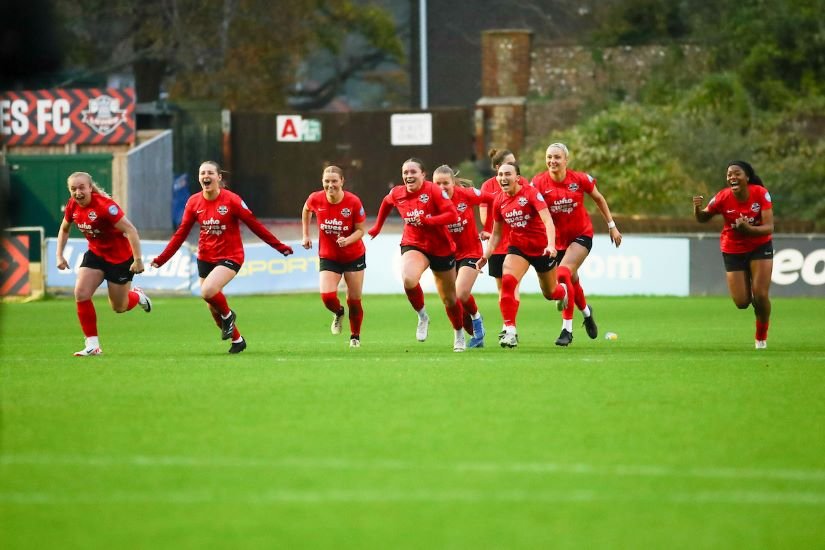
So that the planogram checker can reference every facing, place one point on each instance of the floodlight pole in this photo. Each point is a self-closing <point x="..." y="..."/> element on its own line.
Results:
<point x="422" y="48"/>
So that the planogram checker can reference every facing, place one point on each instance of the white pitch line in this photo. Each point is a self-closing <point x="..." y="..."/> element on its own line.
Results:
<point x="538" y="468"/>
<point x="368" y="496"/>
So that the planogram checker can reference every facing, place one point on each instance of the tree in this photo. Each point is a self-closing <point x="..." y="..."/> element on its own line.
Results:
<point x="243" y="53"/>
<point x="776" y="47"/>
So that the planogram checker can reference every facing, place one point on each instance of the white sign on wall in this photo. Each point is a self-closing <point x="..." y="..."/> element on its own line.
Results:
<point x="411" y="129"/>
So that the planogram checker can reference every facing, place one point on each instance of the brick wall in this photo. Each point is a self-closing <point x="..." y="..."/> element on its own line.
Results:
<point x="505" y="84"/>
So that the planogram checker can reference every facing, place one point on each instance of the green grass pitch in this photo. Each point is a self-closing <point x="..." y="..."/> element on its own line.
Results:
<point x="678" y="434"/>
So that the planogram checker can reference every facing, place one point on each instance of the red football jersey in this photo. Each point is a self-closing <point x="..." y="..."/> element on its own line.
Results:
<point x="337" y="220"/>
<point x="521" y="213"/>
<point x="97" y="223"/>
<point x="429" y="200"/>
<point x="565" y="200"/>
<point x="726" y="204"/>
<point x="220" y="234"/>
<point x="464" y="232"/>
<point x="492" y="186"/>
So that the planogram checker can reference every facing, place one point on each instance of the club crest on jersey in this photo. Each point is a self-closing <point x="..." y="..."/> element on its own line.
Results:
<point x="755" y="207"/>
<point x="112" y="210"/>
<point x="424" y="198"/>
<point x="93" y="215"/>
<point x="346" y="212"/>
<point x="522" y="201"/>
<point x="573" y="186"/>
<point x="461" y="207"/>
<point x="223" y="209"/>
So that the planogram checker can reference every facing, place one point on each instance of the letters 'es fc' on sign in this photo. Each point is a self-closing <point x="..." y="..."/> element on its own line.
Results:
<point x="62" y="116"/>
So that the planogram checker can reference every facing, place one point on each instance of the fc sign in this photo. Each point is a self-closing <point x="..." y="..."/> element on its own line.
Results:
<point x="297" y="128"/>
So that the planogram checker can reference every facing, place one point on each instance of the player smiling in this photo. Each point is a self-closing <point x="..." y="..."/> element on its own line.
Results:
<point x="114" y="255"/>
<point x="746" y="241"/>
<point x="340" y="217"/>
<point x="218" y="211"/>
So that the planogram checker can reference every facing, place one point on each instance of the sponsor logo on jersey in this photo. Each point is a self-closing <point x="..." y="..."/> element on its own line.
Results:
<point x="212" y="226"/>
<point x="413" y="217"/>
<point x="333" y="226"/>
<point x="565" y="205"/>
<point x="223" y="209"/>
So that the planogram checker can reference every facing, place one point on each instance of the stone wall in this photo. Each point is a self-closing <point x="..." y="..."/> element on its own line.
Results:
<point x="531" y="88"/>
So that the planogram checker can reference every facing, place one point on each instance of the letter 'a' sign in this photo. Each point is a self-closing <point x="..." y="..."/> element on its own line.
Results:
<point x="297" y="128"/>
<point x="61" y="116"/>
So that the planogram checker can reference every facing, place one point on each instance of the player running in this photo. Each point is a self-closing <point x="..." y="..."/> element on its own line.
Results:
<point x="340" y="217"/>
<point x="564" y="192"/>
<point x="468" y="249"/>
<point x="425" y="243"/>
<point x="114" y="255"/>
<point x="495" y="266"/>
<point x="746" y="241"/>
<point x="532" y="242"/>
<point x="218" y="211"/>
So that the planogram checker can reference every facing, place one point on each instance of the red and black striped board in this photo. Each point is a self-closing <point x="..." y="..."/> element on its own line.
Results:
<point x="14" y="266"/>
<point x="60" y="116"/>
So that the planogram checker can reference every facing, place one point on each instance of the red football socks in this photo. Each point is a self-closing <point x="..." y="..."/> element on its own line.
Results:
<point x="416" y="297"/>
<point x="134" y="298"/>
<point x="762" y="330"/>
<point x="331" y="301"/>
<point x="356" y="316"/>
<point x="565" y="277"/>
<point x="455" y="312"/>
<point x="88" y="318"/>
<point x="507" y="302"/>
<point x="581" y="300"/>
<point x="218" y="301"/>
<point x="470" y="308"/>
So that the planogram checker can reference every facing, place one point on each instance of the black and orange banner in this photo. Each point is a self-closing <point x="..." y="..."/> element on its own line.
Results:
<point x="61" y="116"/>
<point x="14" y="266"/>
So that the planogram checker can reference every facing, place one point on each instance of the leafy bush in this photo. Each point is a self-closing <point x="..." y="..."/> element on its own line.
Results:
<point x="650" y="159"/>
